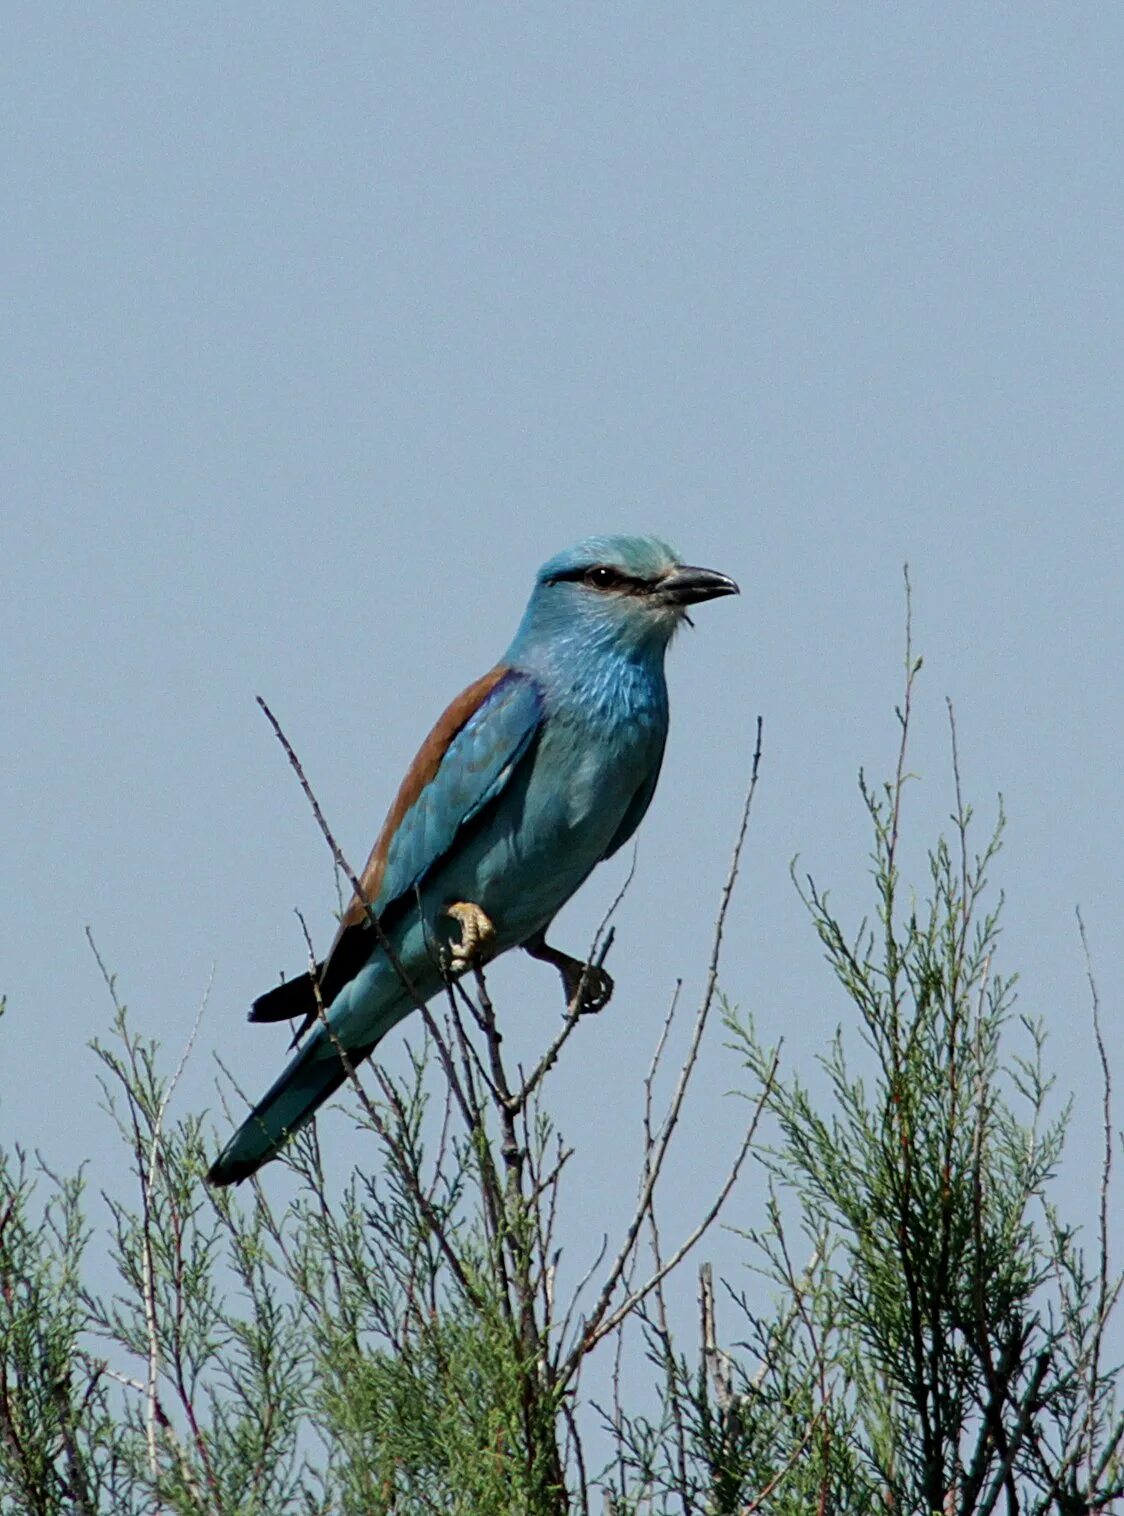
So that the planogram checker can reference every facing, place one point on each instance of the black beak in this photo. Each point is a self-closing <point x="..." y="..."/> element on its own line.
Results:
<point x="687" y="586"/>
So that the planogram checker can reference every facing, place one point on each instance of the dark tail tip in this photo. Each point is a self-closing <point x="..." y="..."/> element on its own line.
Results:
<point x="295" y="997"/>
<point x="226" y="1171"/>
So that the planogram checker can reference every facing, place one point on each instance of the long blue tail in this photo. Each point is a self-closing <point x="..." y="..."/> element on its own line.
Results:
<point x="314" y="1073"/>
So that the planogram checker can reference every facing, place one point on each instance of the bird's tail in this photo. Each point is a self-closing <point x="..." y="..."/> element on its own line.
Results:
<point x="314" y="1073"/>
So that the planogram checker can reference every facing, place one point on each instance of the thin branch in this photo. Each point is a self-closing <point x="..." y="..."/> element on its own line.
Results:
<point x="599" y="950"/>
<point x="337" y="853"/>
<point x="77" y="1480"/>
<point x="911" y="671"/>
<point x="599" y="1329"/>
<point x="759" y="1499"/>
<point x="1029" y="1406"/>
<point x="407" y="1170"/>
<point x="593" y="1332"/>
<point x="147" y="1176"/>
<point x="1103" y="1288"/>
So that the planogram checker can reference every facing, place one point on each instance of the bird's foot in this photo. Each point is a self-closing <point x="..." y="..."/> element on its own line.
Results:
<point x="477" y="932"/>
<point x="588" y="986"/>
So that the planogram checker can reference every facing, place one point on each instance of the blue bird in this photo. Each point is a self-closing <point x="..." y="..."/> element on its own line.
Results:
<point x="533" y="775"/>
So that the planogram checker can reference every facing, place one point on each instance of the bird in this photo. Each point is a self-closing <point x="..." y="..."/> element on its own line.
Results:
<point x="532" y="776"/>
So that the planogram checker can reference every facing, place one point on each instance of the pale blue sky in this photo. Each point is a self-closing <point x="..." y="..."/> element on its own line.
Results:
<point x="324" y="326"/>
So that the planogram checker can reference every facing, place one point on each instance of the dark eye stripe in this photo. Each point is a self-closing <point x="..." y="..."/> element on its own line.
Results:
<point x="619" y="581"/>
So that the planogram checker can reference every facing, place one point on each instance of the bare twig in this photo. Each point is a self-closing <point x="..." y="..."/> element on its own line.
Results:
<point x="912" y="668"/>
<point x="338" y="855"/>
<point x="662" y="1325"/>
<point x="155" y="1159"/>
<point x="601" y="1326"/>
<point x="407" y="1170"/>
<point x="1103" y="1289"/>
<point x="598" y="1321"/>
<point x="599" y="949"/>
<point x="147" y="1173"/>
<point x="1004" y="1473"/>
<point x="717" y="1363"/>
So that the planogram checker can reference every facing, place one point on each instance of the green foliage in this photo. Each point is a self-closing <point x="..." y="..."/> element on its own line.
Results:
<point x="950" y="1322"/>
<point x="923" y="1333"/>
<point x="52" y="1409"/>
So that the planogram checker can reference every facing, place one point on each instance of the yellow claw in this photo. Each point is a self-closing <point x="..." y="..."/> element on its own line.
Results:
<point x="477" y="932"/>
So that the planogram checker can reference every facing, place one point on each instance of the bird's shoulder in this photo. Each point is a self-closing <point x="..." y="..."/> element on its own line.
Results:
<point x="463" y="762"/>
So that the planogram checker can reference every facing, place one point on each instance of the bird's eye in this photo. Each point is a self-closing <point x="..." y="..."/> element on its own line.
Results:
<point x="602" y="577"/>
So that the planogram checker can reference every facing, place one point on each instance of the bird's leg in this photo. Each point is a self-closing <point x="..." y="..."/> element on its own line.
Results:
<point x="588" y="986"/>
<point x="477" y="932"/>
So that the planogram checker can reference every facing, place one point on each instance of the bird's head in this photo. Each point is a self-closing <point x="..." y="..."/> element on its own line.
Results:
<point x="631" y="593"/>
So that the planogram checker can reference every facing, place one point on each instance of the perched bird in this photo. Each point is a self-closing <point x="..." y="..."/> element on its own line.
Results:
<point x="537" y="772"/>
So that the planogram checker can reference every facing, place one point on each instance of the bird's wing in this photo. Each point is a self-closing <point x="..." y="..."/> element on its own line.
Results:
<point x="465" y="762"/>
<point x="637" y="808"/>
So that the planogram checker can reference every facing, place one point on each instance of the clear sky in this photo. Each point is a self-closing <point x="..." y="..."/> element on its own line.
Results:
<point x="324" y="325"/>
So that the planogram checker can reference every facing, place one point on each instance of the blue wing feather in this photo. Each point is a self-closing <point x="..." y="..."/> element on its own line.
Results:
<point x="475" y="769"/>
